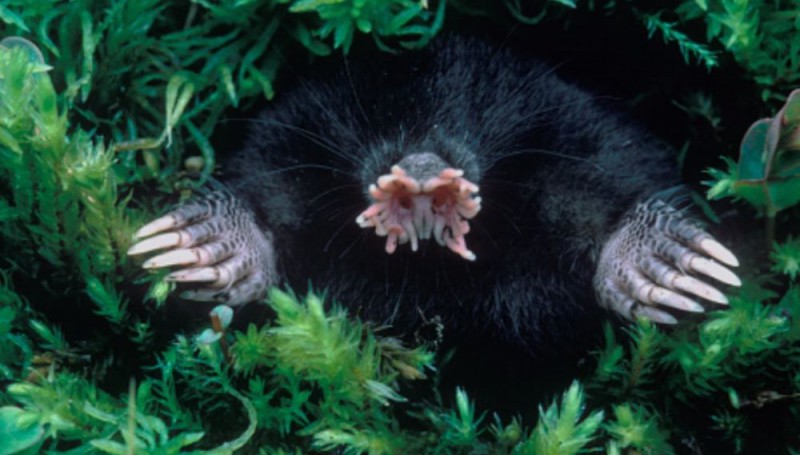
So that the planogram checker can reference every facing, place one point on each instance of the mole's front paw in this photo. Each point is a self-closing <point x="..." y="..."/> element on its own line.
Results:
<point x="660" y="259"/>
<point x="214" y="241"/>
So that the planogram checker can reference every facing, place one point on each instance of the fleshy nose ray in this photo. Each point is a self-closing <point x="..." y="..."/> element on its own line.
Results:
<point x="407" y="209"/>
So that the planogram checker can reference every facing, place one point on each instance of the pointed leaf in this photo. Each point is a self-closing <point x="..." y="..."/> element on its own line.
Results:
<point x="784" y="193"/>
<point x="753" y="192"/>
<point x="16" y="435"/>
<point x="787" y="164"/>
<point x="11" y="18"/>
<point x="208" y="336"/>
<point x="7" y="139"/>
<point x="791" y="141"/>
<point x="791" y="110"/>
<point x="772" y="141"/>
<point x="752" y="151"/>
<point x="112" y="447"/>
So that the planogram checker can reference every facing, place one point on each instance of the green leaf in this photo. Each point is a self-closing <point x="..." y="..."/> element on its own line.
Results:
<point x="791" y="110"/>
<point x="109" y="304"/>
<point x="179" y="93"/>
<point x="206" y="150"/>
<point x="99" y="414"/>
<point x="185" y="439"/>
<point x="784" y="193"/>
<point x="561" y="431"/>
<point x="89" y="45"/>
<point x="567" y="3"/>
<point x="343" y="36"/>
<point x="12" y="18"/>
<point x="304" y="6"/>
<point x="364" y="25"/>
<point x="108" y="446"/>
<point x="635" y="428"/>
<point x="17" y="436"/>
<point x="17" y="42"/>
<point x="227" y="81"/>
<point x="752" y="151"/>
<point x="208" y="336"/>
<point x="787" y="164"/>
<point x="786" y="258"/>
<point x="8" y="139"/>
<point x="53" y="337"/>
<point x="733" y="397"/>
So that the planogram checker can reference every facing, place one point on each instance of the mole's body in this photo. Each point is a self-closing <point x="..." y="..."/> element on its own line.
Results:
<point x="526" y="202"/>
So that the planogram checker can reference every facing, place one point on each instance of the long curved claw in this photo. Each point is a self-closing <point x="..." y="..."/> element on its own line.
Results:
<point x="196" y="275"/>
<point x="185" y="256"/>
<point x="655" y="315"/>
<point x="646" y="266"/>
<point x="713" y="270"/>
<point x="715" y="249"/>
<point x="165" y="223"/>
<point x="696" y="287"/>
<point x="661" y="296"/>
<point x="158" y="242"/>
<point x="216" y="243"/>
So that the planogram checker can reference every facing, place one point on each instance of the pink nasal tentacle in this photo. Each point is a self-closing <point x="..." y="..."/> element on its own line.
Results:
<point x="406" y="210"/>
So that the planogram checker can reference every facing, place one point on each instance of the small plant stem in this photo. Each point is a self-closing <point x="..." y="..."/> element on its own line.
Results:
<point x="770" y="228"/>
<point x="216" y="325"/>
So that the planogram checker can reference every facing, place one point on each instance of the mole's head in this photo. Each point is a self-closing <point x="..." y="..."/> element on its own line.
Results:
<point x="422" y="197"/>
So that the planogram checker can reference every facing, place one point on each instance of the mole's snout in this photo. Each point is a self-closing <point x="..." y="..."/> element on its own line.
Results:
<point x="421" y="197"/>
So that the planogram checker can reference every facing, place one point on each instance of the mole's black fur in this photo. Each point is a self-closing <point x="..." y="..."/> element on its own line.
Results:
<point x="557" y="171"/>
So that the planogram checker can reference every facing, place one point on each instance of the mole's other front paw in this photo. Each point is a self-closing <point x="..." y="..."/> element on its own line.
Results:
<point x="213" y="241"/>
<point x="658" y="259"/>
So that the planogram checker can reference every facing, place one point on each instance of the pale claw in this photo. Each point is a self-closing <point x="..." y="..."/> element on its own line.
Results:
<point x="700" y="289"/>
<point x="715" y="249"/>
<point x="712" y="269"/>
<point x="156" y="243"/>
<point x="654" y="315"/>
<point x="220" y="244"/>
<point x="198" y="275"/>
<point x="668" y="298"/>
<point x="162" y="224"/>
<point x="644" y="267"/>
<point x="177" y="257"/>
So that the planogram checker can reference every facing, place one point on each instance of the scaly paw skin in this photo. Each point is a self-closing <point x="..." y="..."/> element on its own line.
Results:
<point x="658" y="259"/>
<point x="214" y="242"/>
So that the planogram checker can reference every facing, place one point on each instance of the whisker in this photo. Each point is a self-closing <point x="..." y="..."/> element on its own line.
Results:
<point x="486" y="234"/>
<point x="547" y="152"/>
<point x="334" y="189"/>
<point x="353" y="89"/>
<point x="513" y="130"/>
<point x="398" y="300"/>
<point x="352" y="244"/>
<point x="448" y="283"/>
<point x="349" y="220"/>
<point x="306" y="166"/>
<point x="350" y="209"/>
<point x="325" y="108"/>
<point x="486" y="183"/>
<point x="317" y="139"/>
